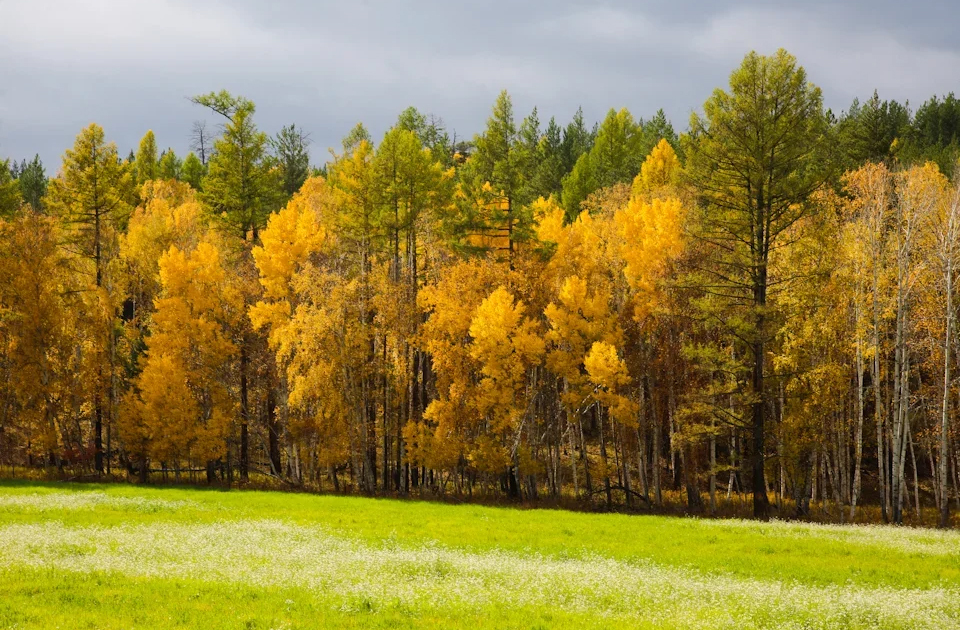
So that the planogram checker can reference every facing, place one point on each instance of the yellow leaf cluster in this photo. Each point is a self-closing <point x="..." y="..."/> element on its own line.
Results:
<point x="651" y="238"/>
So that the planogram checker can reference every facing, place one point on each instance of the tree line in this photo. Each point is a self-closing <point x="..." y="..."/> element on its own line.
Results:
<point x="614" y="315"/>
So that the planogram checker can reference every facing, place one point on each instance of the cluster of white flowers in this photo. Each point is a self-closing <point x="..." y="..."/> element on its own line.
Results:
<point x="910" y="540"/>
<point x="342" y="570"/>
<point x="88" y="500"/>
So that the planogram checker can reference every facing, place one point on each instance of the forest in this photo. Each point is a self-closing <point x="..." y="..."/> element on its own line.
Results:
<point x="757" y="315"/>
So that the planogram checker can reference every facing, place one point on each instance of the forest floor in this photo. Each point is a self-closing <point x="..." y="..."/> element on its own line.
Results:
<point x="120" y="556"/>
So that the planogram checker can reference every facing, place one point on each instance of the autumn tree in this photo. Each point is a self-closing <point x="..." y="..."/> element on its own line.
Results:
<point x="10" y="197"/>
<point x="294" y="238"/>
<point x="871" y="196"/>
<point x="38" y="342"/>
<point x="918" y="192"/>
<point x="169" y="215"/>
<point x="89" y="197"/>
<point x="506" y="345"/>
<point x="181" y="408"/>
<point x="948" y="236"/>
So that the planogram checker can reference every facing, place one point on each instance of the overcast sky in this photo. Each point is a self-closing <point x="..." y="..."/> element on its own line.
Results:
<point x="130" y="65"/>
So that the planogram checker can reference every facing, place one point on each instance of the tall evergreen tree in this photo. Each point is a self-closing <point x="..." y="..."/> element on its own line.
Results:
<point x="616" y="156"/>
<point x="656" y="129"/>
<point x="169" y="165"/>
<point x="90" y="198"/>
<point x="548" y="164"/>
<point x="146" y="165"/>
<point x="290" y="147"/>
<point x="240" y="191"/>
<point x="33" y="183"/>
<point x="577" y="140"/>
<point x="755" y="157"/>
<point x="241" y="188"/>
<point x="935" y="133"/>
<point x="869" y="132"/>
<point x="193" y="170"/>
<point x="496" y="177"/>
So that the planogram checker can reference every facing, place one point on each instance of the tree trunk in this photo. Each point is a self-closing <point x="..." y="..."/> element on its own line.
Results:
<point x="761" y="504"/>
<point x="859" y="445"/>
<point x="688" y="463"/>
<point x="657" y="450"/>
<point x="273" y="430"/>
<point x="603" y="456"/>
<point x="713" y="468"/>
<point x="244" y="413"/>
<point x="944" y="520"/>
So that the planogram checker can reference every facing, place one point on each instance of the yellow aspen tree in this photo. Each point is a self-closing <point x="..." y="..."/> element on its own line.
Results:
<point x="169" y="215"/>
<point x="871" y="196"/>
<point x="608" y="374"/>
<point x="295" y="239"/>
<point x="181" y="407"/>
<point x="945" y="231"/>
<point x="917" y="192"/>
<point x="580" y="317"/>
<point x="651" y="238"/>
<point x="659" y="174"/>
<point x="38" y="336"/>
<point x="292" y="236"/>
<point x="506" y="344"/>
<point x="452" y="421"/>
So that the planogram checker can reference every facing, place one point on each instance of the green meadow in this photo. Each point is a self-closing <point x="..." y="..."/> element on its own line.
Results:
<point x="119" y="556"/>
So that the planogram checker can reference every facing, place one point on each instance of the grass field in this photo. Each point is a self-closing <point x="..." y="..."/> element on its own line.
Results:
<point x="117" y="556"/>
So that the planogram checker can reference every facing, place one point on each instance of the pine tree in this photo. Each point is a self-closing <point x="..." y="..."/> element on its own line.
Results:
<point x="290" y="147"/>
<point x="754" y="157"/>
<point x="241" y="187"/>
<point x="169" y="166"/>
<point x="146" y="166"/>
<point x="193" y="171"/>
<point x="89" y="197"/>
<point x="33" y="183"/>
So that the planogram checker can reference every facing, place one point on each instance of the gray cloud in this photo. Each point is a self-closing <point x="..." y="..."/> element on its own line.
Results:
<point x="130" y="65"/>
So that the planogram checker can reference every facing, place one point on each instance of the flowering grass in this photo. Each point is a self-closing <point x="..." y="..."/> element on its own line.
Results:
<point x="122" y="556"/>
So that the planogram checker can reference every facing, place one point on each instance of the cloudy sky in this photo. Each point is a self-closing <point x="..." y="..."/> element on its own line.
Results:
<point x="130" y="65"/>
